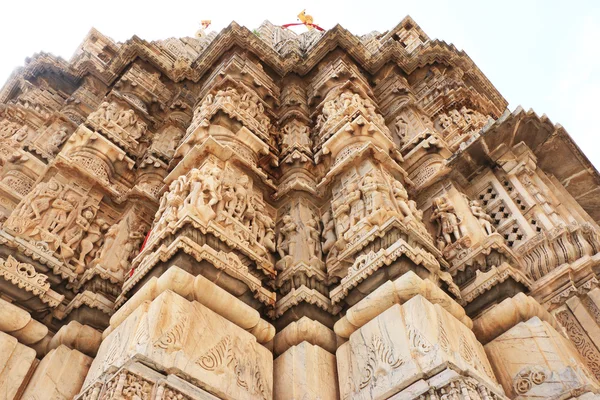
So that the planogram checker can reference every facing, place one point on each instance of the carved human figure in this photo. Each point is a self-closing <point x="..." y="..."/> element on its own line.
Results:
<point x="401" y="197"/>
<point x="21" y="134"/>
<point x="328" y="234"/>
<point x="269" y="240"/>
<point x="205" y="191"/>
<point x="445" y="120"/>
<point x="109" y="241"/>
<point x="112" y="112"/>
<point x="250" y="103"/>
<point x="401" y="129"/>
<point x="211" y="185"/>
<point x="372" y="112"/>
<point x="467" y="114"/>
<point x="447" y="219"/>
<point x="374" y="198"/>
<point x="264" y="121"/>
<point x="137" y="130"/>
<point x="286" y="241"/>
<point x="74" y="234"/>
<point x="42" y="197"/>
<point x="346" y="100"/>
<point x="358" y="102"/>
<point x="126" y="119"/>
<point x="263" y="228"/>
<point x="57" y="139"/>
<point x="458" y="119"/>
<point x="304" y="135"/>
<point x="56" y="219"/>
<point x="313" y="236"/>
<point x="101" y="112"/>
<point x="229" y="95"/>
<point x="208" y="100"/>
<point x="341" y="213"/>
<point x="356" y="202"/>
<point x="329" y="110"/>
<point x="131" y="248"/>
<point x="418" y="214"/>
<point x="484" y="219"/>
<point x="228" y="198"/>
<point x="320" y="122"/>
<point x="171" y="203"/>
<point x="196" y="197"/>
<point x="241" y="196"/>
<point x="82" y="225"/>
<point x="7" y="129"/>
<point x="162" y="206"/>
<point x="89" y="242"/>
<point x="121" y="241"/>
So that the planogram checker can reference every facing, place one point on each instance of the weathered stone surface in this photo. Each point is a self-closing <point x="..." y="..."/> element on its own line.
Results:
<point x="533" y="361"/>
<point x="16" y="361"/>
<point x="305" y="371"/>
<point x="268" y="214"/>
<point x="404" y="344"/>
<point x="177" y="336"/>
<point x="59" y="375"/>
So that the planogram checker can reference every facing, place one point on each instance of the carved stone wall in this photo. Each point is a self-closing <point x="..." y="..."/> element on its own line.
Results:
<point x="271" y="215"/>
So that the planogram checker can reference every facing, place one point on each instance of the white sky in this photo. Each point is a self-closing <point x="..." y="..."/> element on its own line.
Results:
<point x="543" y="55"/>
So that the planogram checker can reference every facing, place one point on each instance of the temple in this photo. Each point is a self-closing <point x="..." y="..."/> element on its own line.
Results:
<point x="268" y="215"/>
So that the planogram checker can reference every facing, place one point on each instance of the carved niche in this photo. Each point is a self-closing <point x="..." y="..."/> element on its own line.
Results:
<point x="242" y="104"/>
<point x="451" y="235"/>
<point x="221" y="195"/>
<point x="56" y="216"/>
<point x="341" y="108"/>
<point x="121" y="124"/>
<point x="120" y="243"/>
<point x="366" y="196"/>
<point x="457" y="125"/>
<point x="295" y="135"/>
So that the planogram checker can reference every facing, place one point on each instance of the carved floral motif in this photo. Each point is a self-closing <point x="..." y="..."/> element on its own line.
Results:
<point x="381" y="361"/>
<point x="226" y="355"/>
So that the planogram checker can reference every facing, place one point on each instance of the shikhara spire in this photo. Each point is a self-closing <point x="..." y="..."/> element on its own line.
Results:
<point x="323" y="216"/>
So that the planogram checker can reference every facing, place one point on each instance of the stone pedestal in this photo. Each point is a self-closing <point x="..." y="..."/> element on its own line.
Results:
<point x="137" y="381"/>
<point x="177" y="336"/>
<point x="307" y="372"/>
<point x="533" y="361"/>
<point x="16" y="363"/>
<point x="408" y="343"/>
<point x="59" y="375"/>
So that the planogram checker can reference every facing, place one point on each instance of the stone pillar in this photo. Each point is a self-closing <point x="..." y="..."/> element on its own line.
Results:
<point x="17" y="362"/>
<point x="186" y="326"/>
<point x="407" y="339"/>
<point x="530" y="358"/>
<point x="59" y="375"/>
<point x="580" y="318"/>
<point x="305" y="367"/>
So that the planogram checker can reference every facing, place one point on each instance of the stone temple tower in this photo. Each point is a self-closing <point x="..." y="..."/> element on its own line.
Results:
<point x="265" y="215"/>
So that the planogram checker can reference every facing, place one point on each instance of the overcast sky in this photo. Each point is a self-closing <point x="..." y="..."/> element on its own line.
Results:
<point x="543" y="55"/>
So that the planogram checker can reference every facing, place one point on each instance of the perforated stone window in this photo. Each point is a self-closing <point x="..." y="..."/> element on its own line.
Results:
<point x="520" y="203"/>
<point x="487" y="196"/>
<point x="500" y="214"/>
<point x="513" y="235"/>
<point x="507" y="185"/>
<point x="535" y="225"/>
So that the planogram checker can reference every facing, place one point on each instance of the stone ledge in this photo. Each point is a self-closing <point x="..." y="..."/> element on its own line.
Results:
<point x="400" y="291"/>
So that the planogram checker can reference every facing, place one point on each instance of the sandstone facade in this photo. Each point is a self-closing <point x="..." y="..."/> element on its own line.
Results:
<point x="269" y="215"/>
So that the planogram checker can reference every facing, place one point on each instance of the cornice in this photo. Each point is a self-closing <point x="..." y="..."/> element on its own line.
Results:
<point x="431" y="51"/>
